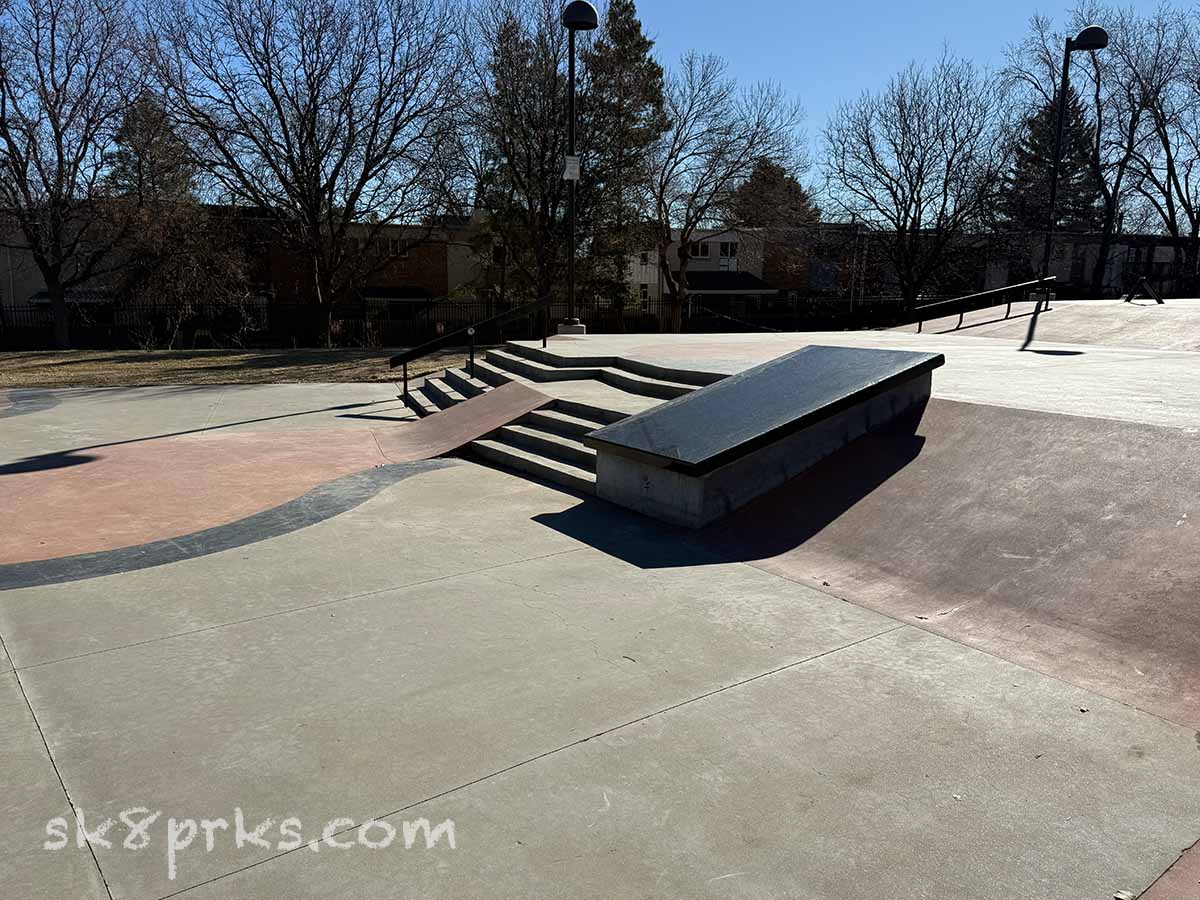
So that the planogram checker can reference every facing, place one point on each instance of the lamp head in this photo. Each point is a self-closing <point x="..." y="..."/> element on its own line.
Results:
<point x="579" y="15"/>
<point x="1091" y="38"/>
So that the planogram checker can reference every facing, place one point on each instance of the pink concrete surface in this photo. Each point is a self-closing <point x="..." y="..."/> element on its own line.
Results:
<point x="1181" y="881"/>
<point x="129" y="494"/>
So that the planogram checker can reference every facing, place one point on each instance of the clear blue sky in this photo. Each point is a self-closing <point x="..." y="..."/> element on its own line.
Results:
<point x="826" y="51"/>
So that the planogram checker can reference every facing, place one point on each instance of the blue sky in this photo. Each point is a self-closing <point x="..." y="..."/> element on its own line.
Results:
<point x="829" y="50"/>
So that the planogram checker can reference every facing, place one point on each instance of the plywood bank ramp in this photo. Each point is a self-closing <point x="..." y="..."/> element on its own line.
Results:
<point x="703" y="455"/>
<point x="460" y="424"/>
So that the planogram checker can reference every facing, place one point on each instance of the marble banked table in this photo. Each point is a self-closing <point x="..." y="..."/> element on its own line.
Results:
<point x="700" y="456"/>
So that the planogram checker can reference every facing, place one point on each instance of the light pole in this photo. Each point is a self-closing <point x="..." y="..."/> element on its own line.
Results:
<point x="1091" y="38"/>
<point x="578" y="15"/>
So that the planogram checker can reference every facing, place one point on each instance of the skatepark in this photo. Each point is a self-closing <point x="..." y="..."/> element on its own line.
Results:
<point x="959" y="659"/>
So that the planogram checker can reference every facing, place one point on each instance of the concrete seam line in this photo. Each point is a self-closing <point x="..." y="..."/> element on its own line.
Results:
<point x="297" y="609"/>
<point x="54" y="765"/>
<point x="212" y="412"/>
<point x="540" y="756"/>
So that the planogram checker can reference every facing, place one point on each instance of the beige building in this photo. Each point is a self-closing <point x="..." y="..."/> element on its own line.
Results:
<point x="723" y="263"/>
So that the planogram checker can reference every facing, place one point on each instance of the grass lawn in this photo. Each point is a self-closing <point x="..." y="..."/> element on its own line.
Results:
<point x="130" y="368"/>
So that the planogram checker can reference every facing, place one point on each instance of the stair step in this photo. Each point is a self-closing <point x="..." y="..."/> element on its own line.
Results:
<point x="537" y="371"/>
<point x="549" y="358"/>
<point x="637" y="367"/>
<point x="465" y="384"/>
<point x="521" y="460"/>
<point x="420" y="404"/>
<point x="494" y="375"/>
<point x="441" y="393"/>
<point x="546" y="443"/>
<point x="587" y="411"/>
<point x="626" y="381"/>
<point x="644" y="385"/>
<point x="563" y="423"/>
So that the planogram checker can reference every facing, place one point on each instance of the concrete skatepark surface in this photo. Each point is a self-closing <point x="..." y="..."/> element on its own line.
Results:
<point x="958" y="664"/>
<point x="1139" y="324"/>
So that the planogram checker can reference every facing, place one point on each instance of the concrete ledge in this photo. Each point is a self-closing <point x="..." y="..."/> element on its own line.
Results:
<point x="696" y="500"/>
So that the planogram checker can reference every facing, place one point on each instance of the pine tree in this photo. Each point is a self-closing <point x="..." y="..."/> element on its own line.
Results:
<point x="771" y="198"/>
<point x="623" y="108"/>
<point x="151" y="161"/>
<point x="1026" y="189"/>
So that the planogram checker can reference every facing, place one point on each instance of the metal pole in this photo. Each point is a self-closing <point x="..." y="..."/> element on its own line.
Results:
<point x="1064" y="87"/>
<point x="571" y="184"/>
<point x="471" y="334"/>
<point x="406" y="381"/>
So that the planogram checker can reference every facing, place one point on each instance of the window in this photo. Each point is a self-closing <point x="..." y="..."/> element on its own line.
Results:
<point x="645" y="258"/>
<point x="698" y="250"/>
<point x="644" y="291"/>
<point x="729" y="249"/>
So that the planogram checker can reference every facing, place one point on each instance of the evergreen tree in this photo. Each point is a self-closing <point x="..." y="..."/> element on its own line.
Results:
<point x="623" y="108"/>
<point x="151" y="161"/>
<point x="1025" y="192"/>
<point x="771" y="198"/>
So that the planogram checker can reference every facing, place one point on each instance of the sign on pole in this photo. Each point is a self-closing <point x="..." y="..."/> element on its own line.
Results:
<point x="571" y="172"/>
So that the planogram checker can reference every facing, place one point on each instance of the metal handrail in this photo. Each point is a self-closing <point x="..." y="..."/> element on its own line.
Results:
<point x="965" y="304"/>
<point x="445" y="340"/>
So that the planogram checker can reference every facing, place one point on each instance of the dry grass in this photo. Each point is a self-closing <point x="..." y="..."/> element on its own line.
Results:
<point x="131" y="368"/>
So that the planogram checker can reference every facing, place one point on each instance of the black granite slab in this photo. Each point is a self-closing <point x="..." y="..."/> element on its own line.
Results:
<point x="707" y="428"/>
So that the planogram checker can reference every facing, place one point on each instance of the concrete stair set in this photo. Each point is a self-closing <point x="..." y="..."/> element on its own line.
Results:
<point x="547" y="443"/>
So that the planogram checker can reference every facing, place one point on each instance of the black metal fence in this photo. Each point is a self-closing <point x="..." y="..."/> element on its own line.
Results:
<point x="261" y="323"/>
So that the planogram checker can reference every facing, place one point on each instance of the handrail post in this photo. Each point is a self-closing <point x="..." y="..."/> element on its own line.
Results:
<point x="471" y="335"/>
<point x="406" y="381"/>
<point x="545" y="323"/>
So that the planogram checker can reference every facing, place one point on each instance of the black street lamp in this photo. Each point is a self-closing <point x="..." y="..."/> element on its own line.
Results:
<point x="578" y="15"/>
<point x="1091" y="38"/>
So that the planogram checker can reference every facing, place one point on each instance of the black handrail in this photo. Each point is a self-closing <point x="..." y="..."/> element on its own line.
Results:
<point x="968" y="303"/>
<point x="446" y="340"/>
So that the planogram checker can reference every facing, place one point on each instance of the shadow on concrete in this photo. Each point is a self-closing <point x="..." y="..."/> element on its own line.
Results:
<point x="45" y="462"/>
<point x="1058" y="352"/>
<point x="775" y="523"/>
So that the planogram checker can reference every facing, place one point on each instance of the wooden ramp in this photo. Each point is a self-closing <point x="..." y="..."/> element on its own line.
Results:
<point x="460" y="424"/>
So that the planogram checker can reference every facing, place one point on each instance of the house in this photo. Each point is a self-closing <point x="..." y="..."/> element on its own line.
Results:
<point x="725" y="266"/>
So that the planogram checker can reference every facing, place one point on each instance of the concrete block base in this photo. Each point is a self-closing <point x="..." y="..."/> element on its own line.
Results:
<point x="695" y="501"/>
<point x="572" y="328"/>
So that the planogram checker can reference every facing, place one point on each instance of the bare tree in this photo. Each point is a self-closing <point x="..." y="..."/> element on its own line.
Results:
<point x="330" y="116"/>
<point x="67" y="73"/>
<point x="514" y="137"/>
<point x="1160" y="52"/>
<point x="718" y="133"/>
<point x="920" y="163"/>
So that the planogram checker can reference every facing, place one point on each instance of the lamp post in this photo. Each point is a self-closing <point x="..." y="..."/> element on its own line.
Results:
<point x="1091" y="38"/>
<point x="578" y="15"/>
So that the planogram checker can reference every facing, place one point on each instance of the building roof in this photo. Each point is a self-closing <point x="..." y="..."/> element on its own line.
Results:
<point x="727" y="283"/>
